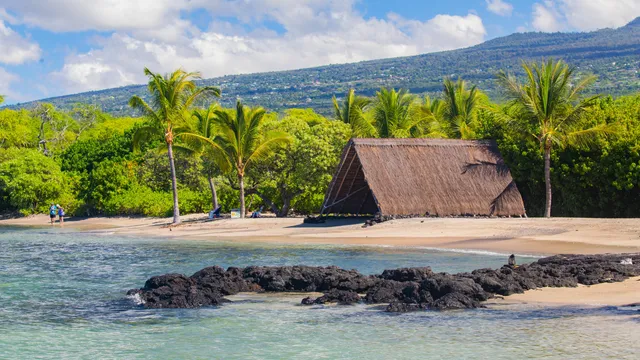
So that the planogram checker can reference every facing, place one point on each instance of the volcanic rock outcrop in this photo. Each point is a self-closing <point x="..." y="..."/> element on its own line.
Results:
<point x="406" y="289"/>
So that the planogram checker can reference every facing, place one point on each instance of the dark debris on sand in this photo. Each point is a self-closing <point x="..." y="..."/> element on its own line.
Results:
<point x="406" y="289"/>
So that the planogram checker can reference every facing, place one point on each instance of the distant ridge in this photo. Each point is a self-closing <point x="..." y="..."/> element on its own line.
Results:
<point x="612" y="54"/>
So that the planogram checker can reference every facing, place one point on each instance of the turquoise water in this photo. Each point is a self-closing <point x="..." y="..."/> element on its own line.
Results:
<point x="62" y="296"/>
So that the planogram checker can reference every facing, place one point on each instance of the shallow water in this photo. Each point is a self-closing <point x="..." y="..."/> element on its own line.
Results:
<point x="62" y="296"/>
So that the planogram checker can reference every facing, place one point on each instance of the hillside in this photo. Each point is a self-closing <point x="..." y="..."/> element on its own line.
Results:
<point x="612" y="54"/>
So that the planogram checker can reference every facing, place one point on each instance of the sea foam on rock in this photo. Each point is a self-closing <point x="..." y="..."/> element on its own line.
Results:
<point x="405" y="289"/>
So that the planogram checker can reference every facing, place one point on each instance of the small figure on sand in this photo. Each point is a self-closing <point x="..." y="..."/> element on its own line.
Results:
<point x="256" y="214"/>
<point x="61" y="214"/>
<point x="512" y="260"/>
<point x="53" y="211"/>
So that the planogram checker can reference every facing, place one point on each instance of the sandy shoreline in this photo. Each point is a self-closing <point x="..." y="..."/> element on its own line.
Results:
<point x="523" y="236"/>
<point x="520" y="236"/>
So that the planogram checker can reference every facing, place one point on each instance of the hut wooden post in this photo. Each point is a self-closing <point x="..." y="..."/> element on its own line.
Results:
<point x="343" y="158"/>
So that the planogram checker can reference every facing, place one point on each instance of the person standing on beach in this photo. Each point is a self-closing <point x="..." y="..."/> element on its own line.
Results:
<point x="52" y="213"/>
<point x="60" y="214"/>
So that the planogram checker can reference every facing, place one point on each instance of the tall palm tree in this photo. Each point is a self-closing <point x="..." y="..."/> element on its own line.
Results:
<point x="393" y="116"/>
<point x="1" y="99"/>
<point x="352" y="112"/>
<point x="172" y="95"/>
<point x="239" y="142"/>
<point x="460" y="108"/>
<point x="198" y="140"/>
<point x="548" y="107"/>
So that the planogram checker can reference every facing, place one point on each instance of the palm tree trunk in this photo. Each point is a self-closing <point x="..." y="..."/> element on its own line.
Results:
<point x="241" y="182"/>
<point x="174" y="185"/>
<point x="214" y="195"/>
<point x="547" y="179"/>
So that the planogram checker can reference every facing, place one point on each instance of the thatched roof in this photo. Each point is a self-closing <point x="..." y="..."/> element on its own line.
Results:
<point x="422" y="177"/>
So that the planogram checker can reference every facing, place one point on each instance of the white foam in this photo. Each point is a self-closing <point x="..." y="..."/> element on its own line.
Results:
<point x="136" y="299"/>
<point x="459" y="251"/>
<point x="476" y="252"/>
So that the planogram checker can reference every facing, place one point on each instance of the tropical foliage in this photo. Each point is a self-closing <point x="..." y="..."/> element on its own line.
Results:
<point x="84" y="158"/>
<point x="549" y="108"/>
<point x="173" y="95"/>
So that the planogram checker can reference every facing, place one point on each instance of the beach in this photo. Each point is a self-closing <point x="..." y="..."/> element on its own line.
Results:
<point x="533" y="236"/>
<point x="536" y="236"/>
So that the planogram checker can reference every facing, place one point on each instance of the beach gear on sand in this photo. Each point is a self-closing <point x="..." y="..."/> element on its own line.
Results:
<point x="215" y="213"/>
<point x="256" y="214"/>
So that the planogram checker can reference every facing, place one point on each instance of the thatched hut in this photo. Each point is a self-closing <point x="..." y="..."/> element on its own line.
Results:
<point x="418" y="177"/>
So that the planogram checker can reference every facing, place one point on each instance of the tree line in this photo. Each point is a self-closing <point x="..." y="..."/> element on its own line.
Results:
<point x="548" y="132"/>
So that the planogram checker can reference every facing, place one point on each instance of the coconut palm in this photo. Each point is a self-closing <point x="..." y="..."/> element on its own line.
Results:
<point x="239" y="143"/>
<point x="431" y="113"/>
<point x="393" y="116"/>
<point x="172" y="95"/>
<point x="197" y="140"/>
<point x="460" y="108"/>
<point x="352" y="112"/>
<point x="548" y="107"/>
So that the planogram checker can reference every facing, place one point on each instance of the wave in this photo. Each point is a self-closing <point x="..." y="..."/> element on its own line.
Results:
<point x="450" y="250"/>
<point x="136" y="299"/>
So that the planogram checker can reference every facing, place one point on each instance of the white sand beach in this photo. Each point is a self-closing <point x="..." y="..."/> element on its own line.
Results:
<point x="519" y="236"/>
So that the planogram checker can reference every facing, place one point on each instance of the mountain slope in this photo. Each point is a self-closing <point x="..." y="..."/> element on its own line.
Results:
<point x="612" y="54"/>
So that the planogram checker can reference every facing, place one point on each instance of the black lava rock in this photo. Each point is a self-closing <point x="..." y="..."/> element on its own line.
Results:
<point x="342" y="297"/>
<point x="406" y="289"/>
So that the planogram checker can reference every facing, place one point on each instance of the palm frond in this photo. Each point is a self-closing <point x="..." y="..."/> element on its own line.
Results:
<point x="144" y="134"/>
<point x="586" y="137"/>
<point x="212" y="148"/>
<point x="272" y="141"/>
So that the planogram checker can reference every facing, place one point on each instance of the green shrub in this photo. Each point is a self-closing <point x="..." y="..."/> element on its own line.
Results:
<point x="30" y="181"/>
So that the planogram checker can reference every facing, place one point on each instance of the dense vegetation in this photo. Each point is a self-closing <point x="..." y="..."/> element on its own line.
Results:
<point x="94" y="163"/>
<point x="611" y="54"/>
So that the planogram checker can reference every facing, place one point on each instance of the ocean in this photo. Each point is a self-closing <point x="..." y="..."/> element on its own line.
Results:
<point x="62" y="295"/>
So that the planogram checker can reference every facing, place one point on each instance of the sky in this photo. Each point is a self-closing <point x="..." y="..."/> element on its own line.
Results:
<point x="57" y="47"/>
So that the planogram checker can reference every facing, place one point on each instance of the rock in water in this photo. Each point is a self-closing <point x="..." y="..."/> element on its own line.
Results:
<point x="176" y="291"/>
<point x="342" y="297"/>
<point x="406" y="289"/>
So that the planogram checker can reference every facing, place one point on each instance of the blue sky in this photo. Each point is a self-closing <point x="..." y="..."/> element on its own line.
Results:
<point x="56" y="47"/>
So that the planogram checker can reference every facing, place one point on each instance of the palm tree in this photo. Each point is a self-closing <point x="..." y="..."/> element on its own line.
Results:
<point x="460" y="108"/>
<point x="431" y="113"/>
<point x="172" y="95"/>
<point x="198" y="140"/>
<point x="240" y="143"/>
<point x="1" y="99"/>
<point x="352" y="112"/>
<point x="393" y="116"/>
<point x="548" y="106"/>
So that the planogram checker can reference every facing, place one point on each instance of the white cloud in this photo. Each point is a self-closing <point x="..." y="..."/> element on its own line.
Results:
<point x="546" y="17"/>
<point x="317" y="33"/>
<point x="105" y="15"/>
<point x="14" y="49"/>
<point x="499" y="7"/>
<point x="6" y="78"/>
<point x="596" y="14"/>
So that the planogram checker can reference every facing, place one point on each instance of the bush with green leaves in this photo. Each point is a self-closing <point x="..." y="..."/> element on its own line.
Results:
<point x="296" y="177"/>
<point x="30" y="181"/>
